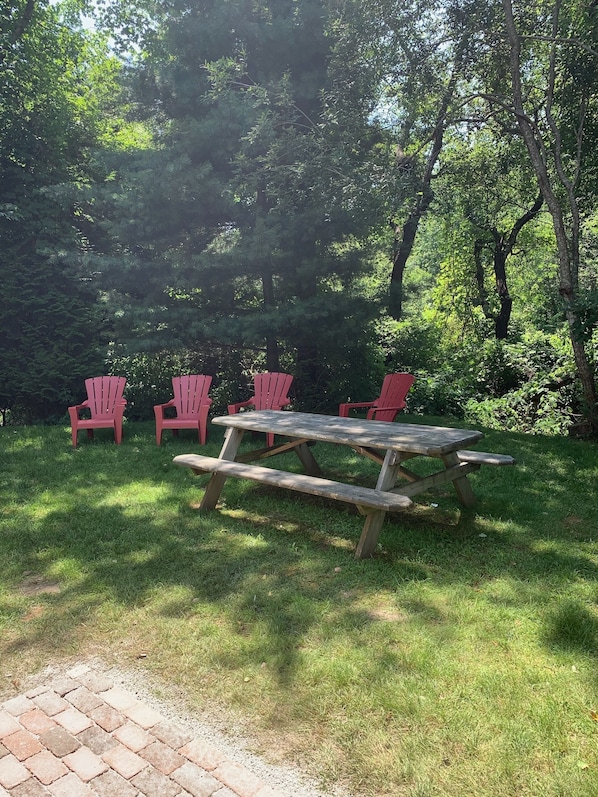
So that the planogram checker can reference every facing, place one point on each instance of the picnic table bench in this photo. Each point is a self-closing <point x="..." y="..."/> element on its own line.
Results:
<point x="388" y="444"/>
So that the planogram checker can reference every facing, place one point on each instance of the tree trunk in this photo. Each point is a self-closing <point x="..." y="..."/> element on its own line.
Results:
<point x="502" y="246"/>
<point x="567" y="246"/>
<point x="402" y="247"/>
<point x="272" y="350"/>
<point x="501" y="321"/>
<point x="403" y="244"/>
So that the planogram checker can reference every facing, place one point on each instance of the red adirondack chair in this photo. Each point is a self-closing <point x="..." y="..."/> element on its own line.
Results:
<point x="191" y="402"/>
<point x="106" y="405"/>
<point x="270" y="392"/>
<point x="390" y="401"/>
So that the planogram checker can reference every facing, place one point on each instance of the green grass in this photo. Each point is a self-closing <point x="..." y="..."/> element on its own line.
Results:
<point x="460" y="660"/>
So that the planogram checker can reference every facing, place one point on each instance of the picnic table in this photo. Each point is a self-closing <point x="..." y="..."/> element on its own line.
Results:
<point x="388" y="444"/>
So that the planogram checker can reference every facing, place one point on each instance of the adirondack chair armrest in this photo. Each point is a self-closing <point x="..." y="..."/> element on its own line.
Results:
<point x="234" y="408"/>
<point x="375" y="409"/>
<point x="283" y="403"/>
<point x="159" y="408"/>
<point x="343" y="409"/>
<point x="74" y="411"/>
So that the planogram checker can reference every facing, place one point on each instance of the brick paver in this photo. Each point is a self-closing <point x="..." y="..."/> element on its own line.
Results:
<point x="124" y="761"/>
<point x="83" y="699"/>
<point x="203" y="753"/>
<point x="143" y="715"/>
<point x="162" y="757"/>
<point x="46" y="767"/>
<point x="237" y="778"/>
<point x="70" y="786"/>
<point x="111" y="784"/>
<point x="154" y="784"/>
<point x="8" y="724"/>
<point x="133" y="737"/>
<point x="119" y="698"/>
<point x="31" y="788"/>
<point x="12" y="772"/>
<point x="86" y="764"/>
<point x="196" y="780"/>
<point x="79" y="735"/>
<point x="36" y="721"/>
<point x="107" y="717"/>
<point x="22" y="744"/>
<point x="73" y="720"/>
<point x="18" y="705"/>
<point x="98" y="741"/>
<point x="50" y="702"/>
<point x="59" y="741"/>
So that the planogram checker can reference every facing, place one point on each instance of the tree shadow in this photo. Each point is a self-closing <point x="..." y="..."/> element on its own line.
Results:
<point x="123" y="546"/>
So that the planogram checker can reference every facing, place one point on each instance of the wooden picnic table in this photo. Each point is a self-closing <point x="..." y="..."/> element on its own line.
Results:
<point x="388" y="444"/>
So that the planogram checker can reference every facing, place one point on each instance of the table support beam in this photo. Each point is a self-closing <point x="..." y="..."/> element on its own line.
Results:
<point x="373" y="522"/>
<point x="230" y="446"/>
<point x="462" y="486"/>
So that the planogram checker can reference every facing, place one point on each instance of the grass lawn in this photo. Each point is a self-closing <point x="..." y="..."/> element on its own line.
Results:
<point x="460" y="660"/>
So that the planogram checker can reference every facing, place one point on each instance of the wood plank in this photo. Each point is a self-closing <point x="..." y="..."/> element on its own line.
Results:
<point x="373" y="522"/>
<point x="313" y="485"/>
<point x="461" y="484"/>
<point x="450" y="474"/>
<point x="270" y="451"/>
<point x="230" y="447"/>
<point x="431" y="441"/>
<point x="485" y="458"/>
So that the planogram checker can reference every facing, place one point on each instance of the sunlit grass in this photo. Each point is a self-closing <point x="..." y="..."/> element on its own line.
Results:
<point x="460" y="660"/>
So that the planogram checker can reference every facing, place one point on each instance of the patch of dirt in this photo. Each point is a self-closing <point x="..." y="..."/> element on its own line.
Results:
<point x="38" y="585"/>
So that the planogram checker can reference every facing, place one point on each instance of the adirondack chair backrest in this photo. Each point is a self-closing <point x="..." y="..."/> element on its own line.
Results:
<point x="190" y="394"/>
<point x="394" y="389"/>
<point x="104" y="393"/>
<point x="271" y="390"/>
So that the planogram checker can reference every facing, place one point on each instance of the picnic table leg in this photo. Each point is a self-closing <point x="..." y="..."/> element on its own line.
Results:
<point x="308" y="460"/>
<point x="232" y="441"/>
<point x="374" y="520"/>
<point x="369" y="535"/>
<point x="462" y="485"/>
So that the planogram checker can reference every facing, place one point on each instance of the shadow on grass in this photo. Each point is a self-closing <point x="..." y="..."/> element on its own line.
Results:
<point x="573" y="627"/>
<point x="116" y="523"/>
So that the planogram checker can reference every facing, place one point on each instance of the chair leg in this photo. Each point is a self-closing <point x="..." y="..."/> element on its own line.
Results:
<point x="74" y="431"/>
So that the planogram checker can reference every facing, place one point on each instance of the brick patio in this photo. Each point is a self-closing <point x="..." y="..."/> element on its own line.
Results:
<point x="80" y="735"/>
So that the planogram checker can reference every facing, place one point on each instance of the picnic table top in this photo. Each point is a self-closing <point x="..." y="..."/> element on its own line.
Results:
<point x="431" y="441"/>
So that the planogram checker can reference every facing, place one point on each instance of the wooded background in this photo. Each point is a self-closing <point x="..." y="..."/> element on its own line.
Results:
<point x="334" y="188"/>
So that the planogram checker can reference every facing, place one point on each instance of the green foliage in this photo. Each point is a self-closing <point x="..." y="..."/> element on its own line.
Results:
<point x="242" y="225"/>
<point x="51" y="339"/>
<point x="53" y="331"/>
<point x="526" y="385"/>
<point x="149" y="377"/>
<point x="232" y="195"/>
<point x="530" y="388"/>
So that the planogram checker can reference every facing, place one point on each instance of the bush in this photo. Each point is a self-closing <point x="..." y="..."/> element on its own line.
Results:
<point x="149" y="378"/>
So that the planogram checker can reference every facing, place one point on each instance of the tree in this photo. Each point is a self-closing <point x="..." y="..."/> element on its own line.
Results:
<point x="486" y="180"/>
<point x="50" y="322"/>
<point x="428" y="50"/>
<point x="247" y="218"/>
<point x="545" y="85"/>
